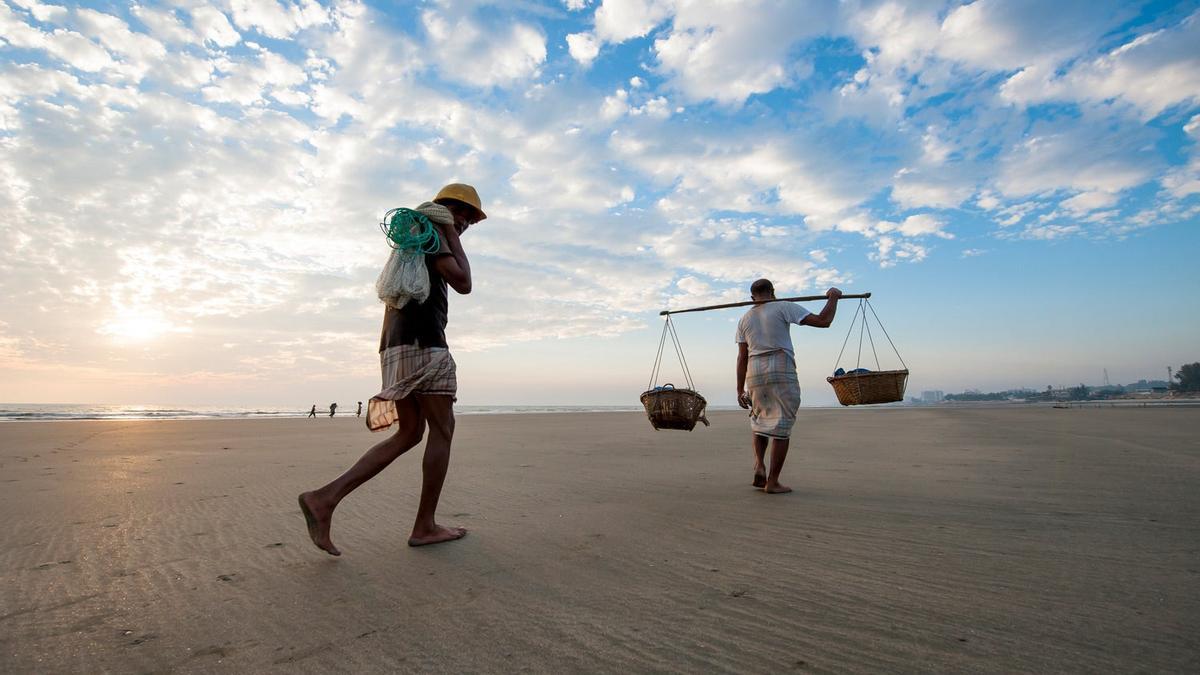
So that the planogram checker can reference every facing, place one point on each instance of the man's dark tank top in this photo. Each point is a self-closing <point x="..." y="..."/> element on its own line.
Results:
<point x="419" y="323"/>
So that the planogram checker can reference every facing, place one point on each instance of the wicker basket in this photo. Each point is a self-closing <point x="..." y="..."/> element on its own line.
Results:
<point x="882" y="386"/>
<point x="671" y="408"/>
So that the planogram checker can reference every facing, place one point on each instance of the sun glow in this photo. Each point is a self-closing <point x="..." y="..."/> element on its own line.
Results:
<point x="136" y="326"/>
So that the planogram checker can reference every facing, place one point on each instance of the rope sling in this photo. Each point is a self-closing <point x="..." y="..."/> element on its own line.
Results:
<point x="410" y="231"/>
<point x="411" y="234"/>
<point x="667" y="406"/>
<point x="860" y="386"/>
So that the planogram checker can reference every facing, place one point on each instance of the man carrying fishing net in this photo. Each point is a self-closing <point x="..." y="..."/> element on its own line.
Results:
<point x="766" y="374"/>
<point x="419" y="380"/>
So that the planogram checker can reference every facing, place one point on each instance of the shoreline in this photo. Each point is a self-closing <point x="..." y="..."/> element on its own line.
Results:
<point x="492" y="411"/>
<point x="631" y="410"/>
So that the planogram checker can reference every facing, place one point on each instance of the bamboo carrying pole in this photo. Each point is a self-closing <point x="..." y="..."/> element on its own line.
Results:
<point x="806" y="298"/>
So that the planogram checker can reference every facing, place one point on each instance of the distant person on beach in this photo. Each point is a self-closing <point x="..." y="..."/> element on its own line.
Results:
<point x="419" y="382"/>
<point x="313" y="412"/>
<point x="359" y="413"/>
<point x="332" y="409"/>
<point x="766" y="374"/>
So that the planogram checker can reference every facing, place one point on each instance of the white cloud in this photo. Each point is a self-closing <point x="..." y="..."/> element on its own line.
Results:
<point x="620" y="20"/>
<point x="140" y="52"/>
<point x="902" y="33"/>
<point x="719" y="250"/>
<point x="762" y="172"/>
<point x="44" y="12"/>
<point x="1084" y="155"/>
<point x="68" y="46"/>
<point x="890" y="251"/>
<point x="943" y="188"/>
<point x="1152" y="72"/>
<point x="165" y="25"/>
<point x="213" y="26"/>
<point x="923" y="224"/>
<point x="728" y="52"/>
<point x="1086" y="202"/>
<point x="247" y="83"/>
<point x="274" y="20"/>
<point x="1183" y="181"/>
<point x="1009" y="34"/>
<point x="918" y="50"/>
<point x="616" y="105"/>
<point x="558" y="171"/>
<point x="499" y="55"/>
<point x="1049" y="231"/>
<point x="583" y="47"/>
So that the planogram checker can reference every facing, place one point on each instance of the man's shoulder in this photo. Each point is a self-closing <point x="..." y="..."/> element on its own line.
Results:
<point x="792" y="310"/>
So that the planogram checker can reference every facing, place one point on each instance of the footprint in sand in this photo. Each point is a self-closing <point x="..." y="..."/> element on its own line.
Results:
<point x="145" y="638"/>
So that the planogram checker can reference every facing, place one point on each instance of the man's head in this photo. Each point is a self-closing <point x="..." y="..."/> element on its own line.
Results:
<point x="463" y="202"/>
<point x="762" y="290"/>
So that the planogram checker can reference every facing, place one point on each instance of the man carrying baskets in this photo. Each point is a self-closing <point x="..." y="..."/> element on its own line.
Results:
<point x="419" y="380"/>
<point x="766" y="374"/>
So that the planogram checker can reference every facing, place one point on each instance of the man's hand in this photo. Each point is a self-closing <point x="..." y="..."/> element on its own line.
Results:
<point x="743" y="400"/>
<point x="825" y="318"/>
<point x="450" y="234"/>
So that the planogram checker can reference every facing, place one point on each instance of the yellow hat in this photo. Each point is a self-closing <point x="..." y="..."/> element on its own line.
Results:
<point x="463" y="193"/>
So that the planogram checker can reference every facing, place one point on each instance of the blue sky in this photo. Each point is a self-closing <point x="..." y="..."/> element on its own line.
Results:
<point x="191" y="189"/>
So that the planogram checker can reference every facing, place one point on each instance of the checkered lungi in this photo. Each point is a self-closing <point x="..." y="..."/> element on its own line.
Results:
<point x="774" y="393"/>
<point x="409" y="369"/>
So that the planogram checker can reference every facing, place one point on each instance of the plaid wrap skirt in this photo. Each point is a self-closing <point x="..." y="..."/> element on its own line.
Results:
<point x="774" y="393"/>
<point x="407" y="370"/>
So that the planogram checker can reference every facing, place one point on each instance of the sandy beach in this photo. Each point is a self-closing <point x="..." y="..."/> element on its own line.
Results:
<point x="917" y="540"/>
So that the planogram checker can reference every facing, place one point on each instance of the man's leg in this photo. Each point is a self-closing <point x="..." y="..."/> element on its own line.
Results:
<point x="779" y="450"/>
<point x="759" y="442"/>
<point x="319" y="504"/>
<point x="439" y="411"/>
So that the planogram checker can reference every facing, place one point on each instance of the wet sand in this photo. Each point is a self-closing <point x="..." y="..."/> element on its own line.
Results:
<point x="917" y="540"/>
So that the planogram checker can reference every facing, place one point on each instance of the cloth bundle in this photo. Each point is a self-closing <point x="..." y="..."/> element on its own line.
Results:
<point x="404" y="276"/>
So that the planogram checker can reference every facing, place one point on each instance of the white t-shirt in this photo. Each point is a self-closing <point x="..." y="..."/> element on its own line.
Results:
<point x="767" y="327"/>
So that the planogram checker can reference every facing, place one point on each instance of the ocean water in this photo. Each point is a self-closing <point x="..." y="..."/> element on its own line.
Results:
<point x="46" y="412"/>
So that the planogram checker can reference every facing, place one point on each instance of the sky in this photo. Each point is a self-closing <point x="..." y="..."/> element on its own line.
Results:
<point x="191" y="190"/>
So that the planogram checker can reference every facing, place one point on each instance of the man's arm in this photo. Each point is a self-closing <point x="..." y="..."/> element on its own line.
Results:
<point x="743" y="358"/>
<point x="454" y="268"/>
<point x="825" y="318"/>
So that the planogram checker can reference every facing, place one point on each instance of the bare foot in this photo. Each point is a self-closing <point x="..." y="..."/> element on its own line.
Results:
<point x="760" y="479"/>
<point x="318" y="516"/>
<point x="776" y="488"/>
<point x="437" y="535"/>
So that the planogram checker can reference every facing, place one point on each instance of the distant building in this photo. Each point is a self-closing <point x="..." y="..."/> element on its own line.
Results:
<point x="934" y="396"/>
<point x="1146" y="386"/>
